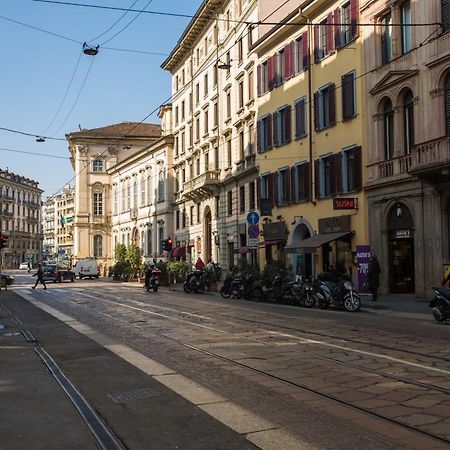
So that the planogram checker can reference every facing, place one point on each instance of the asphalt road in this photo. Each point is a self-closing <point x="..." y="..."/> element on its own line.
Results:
<point x="279" y="376"/>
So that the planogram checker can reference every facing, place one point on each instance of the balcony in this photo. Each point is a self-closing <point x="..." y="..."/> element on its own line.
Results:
<point x="204" y="185"/>
<point x="6" y="198"/>
<point x="389" y="171"/>
<point x="133" y="213"/>
<point x="6" y="214"/>
<point x="431" y="160"/>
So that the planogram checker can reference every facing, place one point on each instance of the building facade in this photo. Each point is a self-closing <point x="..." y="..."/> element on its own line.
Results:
<point x="311" y="149"/>
<point x="93" y="153"/>
<point x="407" y="100"/>
<point x="142" y="195"/>
<point x="214" y="168"/>
<point x="20" y="210"/>
<point x="58" y="214"/>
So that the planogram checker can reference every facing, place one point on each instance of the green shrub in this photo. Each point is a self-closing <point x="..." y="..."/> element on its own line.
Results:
<point x="178" y="269"/>
<point x="273" y="270"/>
<point x="120" y="253"/>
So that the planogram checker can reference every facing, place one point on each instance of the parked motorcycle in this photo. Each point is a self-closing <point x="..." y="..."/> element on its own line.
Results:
<point x="248" y="285"/>
<point x="337" y="289"/>
<point x="154" y="280"/>
<point x="269" y="292"/>
<point x="440" y="304"/>
<point x="232" y="287"/>
<point x="194" y="282"/>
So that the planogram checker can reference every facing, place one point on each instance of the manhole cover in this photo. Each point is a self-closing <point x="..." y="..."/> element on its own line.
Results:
<point x="128" y="396"/>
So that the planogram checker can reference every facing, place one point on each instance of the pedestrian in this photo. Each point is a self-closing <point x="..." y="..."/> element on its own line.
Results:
<point x="446" y="278"/>
<point x="373" y="277"/>
<point x="199" y="265"/>
<point x="40" y="277"/>
<point x="210" y="265"/>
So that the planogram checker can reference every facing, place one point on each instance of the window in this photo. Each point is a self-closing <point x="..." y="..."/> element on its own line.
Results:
<point x="135" y="193"/>
<point x="124" y="205"/>
<point x="215" y="74"/>
<point x="321" y="46"/>
<point x="176" y="115"/>
<point x="325" y="107"/>
<point x="98" y="204"/>
<point x="263" y="78"/>
<point x="447" y="104"/>
<point x="283" y="187"/>
<point x="149" y="242"/>
<point x="445" y="9"/>
<point x="241" y="145"/>
<point x="182" y="141"/>
<point x="205" y="85"/>
<point x="251" y="81"/>
<point x="97" y="165"/>
<point x="161" y="186"/>
<point x="149" y="190"/>
<point x="264" y="187"/>
<point x="240" y="50"/>
<point x="300" y="118"/>
<point x="241" y="94"/>
<point x="230" y="203"/>
<point x="345" y="29"/>
<point x="198" y="212"/>
<point x="191" y="221"/>
<point x="250" y="35"/>
<point x="406" y="27"/>
<point x="228" y="62"/>
<point x="98" y="246"/>
<point x="251" y="196"/>
<point x="206" y="121"/>
<point x="386" y="38"/>
<point x="251" y="140"/>
<point x="280" y="68"/>
<point x="282" y="126"/>
<point x="388" y="129"/>
<point x="160" y="240"/>
<point x="197" y="128"/>
<point x="142" y="190"/>
<point x="242" y="199"/>
<point x="348" y="96"/>
<point x="408" y="121"/>
<point x="128" y="194"/>
<point x="325" y="171"/>
<point x="229" y="153"/>
<point x="265" y="133"/>
<point x="115" y="201"/>
<point x="177" y="219"/>
<point x="228" y="103"/>
<point x="197" y="93"/>
<point x="300" y="182"/>
<point x="183" y="218"/>
<point x="183" y="110"/>
<point x="301" y="56"/>
<point x="351" y="170"/>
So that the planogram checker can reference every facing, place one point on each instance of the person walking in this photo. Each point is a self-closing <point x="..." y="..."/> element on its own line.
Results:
<point x="199" y="265"/>
<point x="40" y="277"/>
<point x="373" y="277"/>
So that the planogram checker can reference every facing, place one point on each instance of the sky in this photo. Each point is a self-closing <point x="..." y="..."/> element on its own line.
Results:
<point x="36" y="70"/>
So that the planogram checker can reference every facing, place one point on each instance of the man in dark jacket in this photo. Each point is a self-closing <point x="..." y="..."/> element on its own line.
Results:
<point x="373" y="277"/>
<point x="40" y="277"/>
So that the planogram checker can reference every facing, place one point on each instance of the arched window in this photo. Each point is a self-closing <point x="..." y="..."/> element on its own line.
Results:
<point x="135" y="193"/>
<point x="149" y="242"/>
<point x="408" y="121"/>
<point x="98" y="245"/>
<point x="447" y="104"/>
<point x="388" y="129"/>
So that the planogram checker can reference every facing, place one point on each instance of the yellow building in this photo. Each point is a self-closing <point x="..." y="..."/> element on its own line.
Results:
<point x="310" y="136"/>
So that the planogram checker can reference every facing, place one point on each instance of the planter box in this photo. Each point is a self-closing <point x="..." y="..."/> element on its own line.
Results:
<point x="212" y="287"/>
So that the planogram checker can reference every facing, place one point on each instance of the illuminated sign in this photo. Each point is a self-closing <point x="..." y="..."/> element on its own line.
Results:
<point x="345" y="203"/>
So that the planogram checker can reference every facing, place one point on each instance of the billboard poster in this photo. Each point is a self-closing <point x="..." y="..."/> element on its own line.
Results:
<point x="362" y="261"/>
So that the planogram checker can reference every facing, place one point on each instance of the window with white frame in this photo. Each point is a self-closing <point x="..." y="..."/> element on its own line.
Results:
<point x="135" y="192"/>
<point x="345" y="27"/>
<point x="142" y="190"/>
<point x="264" y="77"/>
<point x="98" y="204"/>
<point x="115" y="201"/>
<point x="348" y="83"/>
<point x="300" y="118"/>
<point x="280" y="69"/>
<point x="98" y="246"/>
<point x="300" y="188"/>
<point x="265" y="133"/>
<point x="265" y="185"/>
<point x="386" y="38"/>
<point x="149" y="189"/>
<point x="161" y="186"/>
<point x="128" y="194"/>
<point x="325" y="163"/>
<point x="282" y="126"/>
<point x="406" y="20"/>
<point x="97" y="165"/>
<point x="325" y="107"/>
<point x="283" y="186"/>
<point x="123" y="195"/>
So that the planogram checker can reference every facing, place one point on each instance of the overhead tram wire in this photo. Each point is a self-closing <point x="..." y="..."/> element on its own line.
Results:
<point x="24" y="133"/>
<point x="25" y="152"/>
<point x="194" y="16"/>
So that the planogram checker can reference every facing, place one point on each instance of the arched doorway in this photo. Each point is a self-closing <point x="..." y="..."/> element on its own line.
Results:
<point x="401" y="250"/>
<point x="302" y="263"/>
<point x="135" y="237"/>
<point x="207" y="229"/>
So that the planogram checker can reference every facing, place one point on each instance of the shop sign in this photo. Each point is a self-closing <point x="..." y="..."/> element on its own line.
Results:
<point x="362" y="260"/>
<point x="334" y="224"/>
<point x="276" y="231"/>
<point x="252" y="242"/>
<point x="401" y="234"/>
<point x="345" y="203"/>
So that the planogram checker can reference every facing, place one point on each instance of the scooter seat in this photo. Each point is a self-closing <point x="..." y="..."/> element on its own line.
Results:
<point x="444" y="292"/>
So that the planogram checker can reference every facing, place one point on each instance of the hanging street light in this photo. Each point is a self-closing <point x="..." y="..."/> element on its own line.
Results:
<point x="89" y="50"/>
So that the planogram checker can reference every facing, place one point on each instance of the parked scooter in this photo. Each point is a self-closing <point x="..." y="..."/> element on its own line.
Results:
<point x="232" y="287"/>
<point x="337" y="289"/>
<point x="248" y="285"/>
<point x="269" y="292"/>
<point x="154" y="280"/>
<point x="194" y="282"/>
<point x="440" y="304"/>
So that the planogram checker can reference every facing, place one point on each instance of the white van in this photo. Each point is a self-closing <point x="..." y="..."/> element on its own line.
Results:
<point x="87" y="268"/>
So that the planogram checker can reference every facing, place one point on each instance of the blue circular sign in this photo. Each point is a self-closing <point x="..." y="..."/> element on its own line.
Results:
<point x="253" y="218"/>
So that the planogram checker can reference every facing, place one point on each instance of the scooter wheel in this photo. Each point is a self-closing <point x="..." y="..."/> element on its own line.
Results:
<point x="309" y="301"/>
<point x="187" y="288"/>
<point x="258" y="294"/>
<point x="224" y="293"/>
<point x="352" y="303"/>
<point x="155" y="289"/>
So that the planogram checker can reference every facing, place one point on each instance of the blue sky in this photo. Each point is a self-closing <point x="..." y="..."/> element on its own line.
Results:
<point x="36" y="69"/>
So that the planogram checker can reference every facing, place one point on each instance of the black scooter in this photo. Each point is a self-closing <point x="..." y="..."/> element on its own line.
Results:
<point x="153" y="280"/>
<point x="232" y="287"/>
<point x="440" y="304"/>
<point x="194" y="282"/>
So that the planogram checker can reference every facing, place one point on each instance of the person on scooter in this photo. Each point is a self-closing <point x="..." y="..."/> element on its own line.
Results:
<point x="446" y="280"/>
<point x="148" y="274"/>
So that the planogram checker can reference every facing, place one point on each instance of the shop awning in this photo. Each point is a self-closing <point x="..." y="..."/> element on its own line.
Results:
<point x="178" y="252"/>
<point x="267" y="243"/>
<point x="309" y="245"/>
<point x="243" y="250"/>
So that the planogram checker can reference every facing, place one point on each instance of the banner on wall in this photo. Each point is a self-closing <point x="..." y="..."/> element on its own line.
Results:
<point x="362" y="260"/>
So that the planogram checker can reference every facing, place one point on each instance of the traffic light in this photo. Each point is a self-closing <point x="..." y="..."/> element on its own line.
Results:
<point x="167" y="244"/>
<point x="3" y="241"/>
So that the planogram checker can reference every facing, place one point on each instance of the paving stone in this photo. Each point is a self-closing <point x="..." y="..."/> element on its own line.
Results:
<point x="441" y="410"/>
<point x="394" y="411"/>
<point x="355" y="396"/>
<point x="420" y="419"/>
<point x="399" y="395"/>
<point x="422" y="402"/>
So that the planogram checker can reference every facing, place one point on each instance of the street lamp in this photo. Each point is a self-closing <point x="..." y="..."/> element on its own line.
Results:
<point x="89" y="50"/>
<point x="224" y="65"/>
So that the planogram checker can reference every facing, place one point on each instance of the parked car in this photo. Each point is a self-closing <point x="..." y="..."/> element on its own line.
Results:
<point x="6" y="280"/>
<point x="86" y="268"/>
<point x="24" y="266"/>
<point x="56" y="272"/>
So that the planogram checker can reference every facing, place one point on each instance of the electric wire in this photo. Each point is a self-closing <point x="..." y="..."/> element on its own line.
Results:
<point x="24" y="133"/>
<point x="25" y="152"/>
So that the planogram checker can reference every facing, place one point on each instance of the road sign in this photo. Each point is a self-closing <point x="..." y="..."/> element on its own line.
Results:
<point x="253" y="231"/>
<point x="252" y="243"/>
<point x="253" y="218"/>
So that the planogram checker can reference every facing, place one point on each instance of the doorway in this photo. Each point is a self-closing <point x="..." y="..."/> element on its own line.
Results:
<point x="401" y="266"/>
<point x="302" y="263"/>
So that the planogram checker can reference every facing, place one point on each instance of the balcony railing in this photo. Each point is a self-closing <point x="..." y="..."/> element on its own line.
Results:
<point x="390" y="170"/>
<point x="431" y="158"/>
<point x="202" y="185"/>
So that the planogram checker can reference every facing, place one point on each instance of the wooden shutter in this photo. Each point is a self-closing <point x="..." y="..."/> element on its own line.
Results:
<point x="302" y="118"/>
<point x="305" y="50"/>
<point x="354" y="16"/>
<point x="269" y="132"/>
<point x="259" y="135"/>
<point x="287" y="62"/>
<point x="332" y="103"/>
<point x="258" y="192"/>
<point x="447" y="103"/>
<point x="275" y="128"/>
<point x="271" y="72"/>
<point x="287" y="120"/>
<point x="297" y="120"/>
<point x="358" y="167"/>
<point x="273" y="182"/>
<point x="288" y="186"/>
<point x="317" y="178"/>
<point x="316" y="110"/>
<point x="306" y="169"/>
<point x="258" y="80"/>
<point x="294" y="197"/>
<point x="445" y="11"/>
<point x="338" y="171"/>
<point x="330" y="34"/>
<point x="316" y="43"/>
<point x="337" y="28"/>
<point x="348" y="96"/>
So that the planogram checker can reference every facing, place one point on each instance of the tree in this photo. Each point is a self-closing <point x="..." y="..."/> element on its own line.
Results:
<point x="120" y="253"/>
<point x="133" y="257"/>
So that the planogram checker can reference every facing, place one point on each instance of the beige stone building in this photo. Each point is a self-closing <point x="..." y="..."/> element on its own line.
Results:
<point x="213" y="86"/>
<point x="58" y="215"/>
<point x="142" y="195"/>
<point x="20" y="213"/>
<point x="93" y="152"/>
<point x="407" y="104"/>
